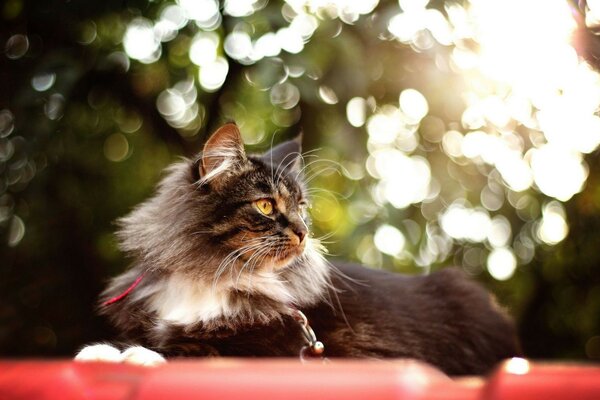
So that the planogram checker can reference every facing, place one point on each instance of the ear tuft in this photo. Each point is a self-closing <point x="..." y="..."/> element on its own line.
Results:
<point x="223" y="152"/>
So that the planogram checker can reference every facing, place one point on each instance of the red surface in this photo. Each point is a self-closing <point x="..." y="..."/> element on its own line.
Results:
<point x="264" y="379"/>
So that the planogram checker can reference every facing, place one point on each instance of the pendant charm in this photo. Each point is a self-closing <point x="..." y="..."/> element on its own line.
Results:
<point x="316" y="347"/>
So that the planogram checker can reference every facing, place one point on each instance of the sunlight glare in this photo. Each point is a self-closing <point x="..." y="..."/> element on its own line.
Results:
<point x="212" y="76"/>
<point x="290" y="40"/>
<point x="203" y="50"/>
<point x="463" y="223"/>
<point x="501" y="263"/>
<point x="413" y="104"/>
<point x="553" y="227"/>
<point x="389" y="240"/>
<point x="238" y="45"/>
<point x="178" y="105"/>
<point x="356" y="111"/>
<point x="558" y="172"/>
<point x="404" y="180"/>
<point x="240" y="8"/>
<point x="347" y="10"/>
<point x="204" y="12"/>
<point x="518" y="41"/>
<point x="525" y="70"/>
<point x="266" y="46"/>
<point x="385" y="126"/>
<point x="140" y="42"/>
<point x="413" y="5"/>
<point x="499" y="233"/>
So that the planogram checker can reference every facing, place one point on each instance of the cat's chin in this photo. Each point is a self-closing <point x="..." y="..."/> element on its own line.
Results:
<point x="282" y="260"/>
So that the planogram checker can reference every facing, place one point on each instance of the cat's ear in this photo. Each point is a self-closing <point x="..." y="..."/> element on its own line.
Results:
<point x="223" y="152"/>
<point x="286" y="156"/>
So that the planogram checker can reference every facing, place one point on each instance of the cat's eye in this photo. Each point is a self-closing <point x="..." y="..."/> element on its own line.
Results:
<point x="265" y="206"/>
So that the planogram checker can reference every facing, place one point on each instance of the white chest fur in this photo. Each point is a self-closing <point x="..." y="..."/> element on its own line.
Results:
<point x="183" y="301"/>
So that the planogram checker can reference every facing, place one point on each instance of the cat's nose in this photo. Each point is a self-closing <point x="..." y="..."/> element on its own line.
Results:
<point x="300" y="233"/>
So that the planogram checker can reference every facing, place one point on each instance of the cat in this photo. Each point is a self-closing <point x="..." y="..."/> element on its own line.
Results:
<point x="224" y="265"/>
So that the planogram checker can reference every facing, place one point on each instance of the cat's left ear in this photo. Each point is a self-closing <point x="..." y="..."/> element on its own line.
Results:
<point x="286" y="156"/>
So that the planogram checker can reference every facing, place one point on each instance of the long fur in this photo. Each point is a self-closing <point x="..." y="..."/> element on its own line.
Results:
<point x="220" y="278"/>
<point x="189" y="278"/>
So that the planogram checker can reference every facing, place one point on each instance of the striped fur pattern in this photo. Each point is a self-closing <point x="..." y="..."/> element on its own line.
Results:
<point x="220" y="276"/>
<point x="206" y="249"/>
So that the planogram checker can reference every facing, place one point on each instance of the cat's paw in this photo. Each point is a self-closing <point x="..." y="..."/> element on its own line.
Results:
<point x="99" y="352"/>
<point x="139" y="355"/>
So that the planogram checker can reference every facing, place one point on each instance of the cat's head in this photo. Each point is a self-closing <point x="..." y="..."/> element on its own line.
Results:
<point x="226" y="215"/>
<point x="259" y="205"/>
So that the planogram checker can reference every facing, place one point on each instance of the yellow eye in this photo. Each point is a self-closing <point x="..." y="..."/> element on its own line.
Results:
<point x="265" y="206"/>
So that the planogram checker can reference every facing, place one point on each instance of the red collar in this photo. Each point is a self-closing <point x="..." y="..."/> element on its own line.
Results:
<point x="125" y="293"/>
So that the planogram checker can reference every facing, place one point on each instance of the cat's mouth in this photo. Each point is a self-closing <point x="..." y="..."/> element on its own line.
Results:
<point x="275" y="258"/>
<point x="282" y="258"/>
<point x="290" y="253"/>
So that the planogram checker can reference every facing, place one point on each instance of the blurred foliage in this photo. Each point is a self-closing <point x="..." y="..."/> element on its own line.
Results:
<point x="416" y="158"/>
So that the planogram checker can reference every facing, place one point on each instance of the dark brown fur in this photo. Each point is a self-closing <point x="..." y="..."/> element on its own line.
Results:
<point x="188" y="228"/>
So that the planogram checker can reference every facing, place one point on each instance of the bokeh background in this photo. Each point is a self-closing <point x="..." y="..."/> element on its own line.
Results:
<point x="438" y="133"/>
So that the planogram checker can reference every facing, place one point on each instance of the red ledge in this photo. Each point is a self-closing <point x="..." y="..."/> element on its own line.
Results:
<point x="289" y="379"/>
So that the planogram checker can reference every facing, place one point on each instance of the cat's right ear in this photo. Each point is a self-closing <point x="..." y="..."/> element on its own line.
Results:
<point x="223" y="153"/>
<point x="286" y="156"/>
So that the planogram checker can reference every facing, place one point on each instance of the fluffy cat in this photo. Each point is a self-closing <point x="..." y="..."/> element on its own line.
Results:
<point x="224" y="259"/>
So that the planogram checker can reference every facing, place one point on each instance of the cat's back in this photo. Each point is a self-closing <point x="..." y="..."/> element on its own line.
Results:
<point x="444" y="318"/>
<point x="442" y="289"/>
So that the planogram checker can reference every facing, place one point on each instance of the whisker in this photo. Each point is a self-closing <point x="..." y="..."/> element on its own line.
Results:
<point x="319" y="172"/>
<point x="271" y="154"/>
<point x="318" y="196"/>
<point x="335" y="163"/>
<point x="302" y="156"/>
<point x="279" y="174"/>
<point x="254" y="256"/>
<point x="231" y="258"/>
<point x="332" y="193"/>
